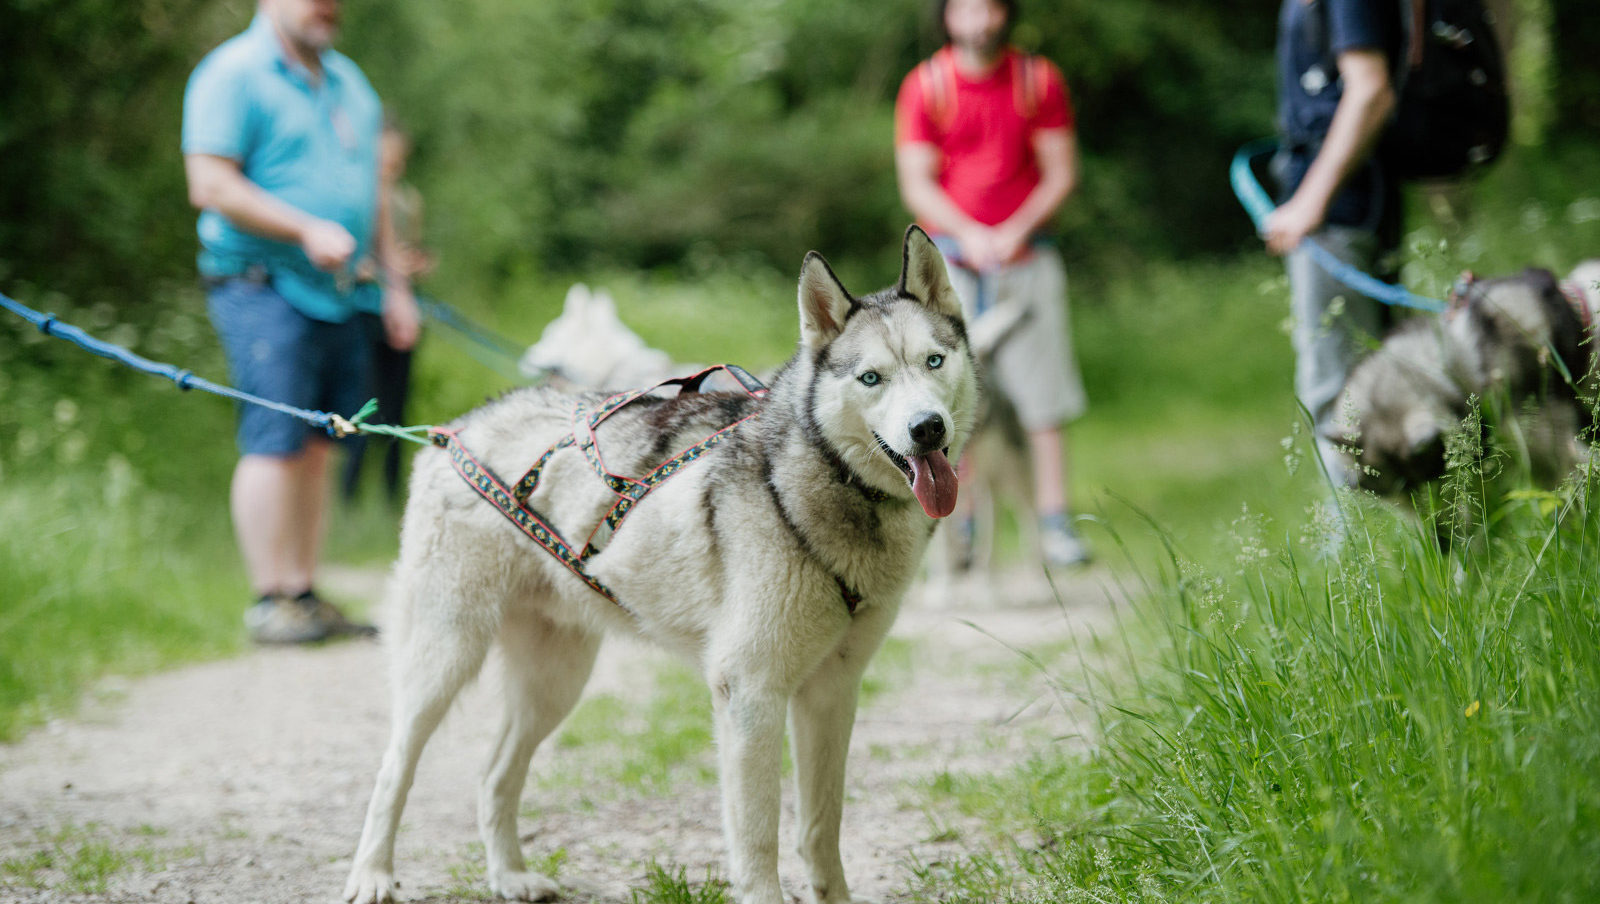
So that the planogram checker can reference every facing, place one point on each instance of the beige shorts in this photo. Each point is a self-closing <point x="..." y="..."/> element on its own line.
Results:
<point x="1034" y="365"/>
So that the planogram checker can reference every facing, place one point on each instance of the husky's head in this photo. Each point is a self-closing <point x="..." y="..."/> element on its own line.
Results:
<point x="1512" y="332"/>
<point x="590" y="347"/>
<point x="892" y="383"/>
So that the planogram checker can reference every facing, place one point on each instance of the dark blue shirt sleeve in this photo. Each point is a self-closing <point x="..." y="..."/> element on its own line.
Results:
<point x="1356" y="25"/>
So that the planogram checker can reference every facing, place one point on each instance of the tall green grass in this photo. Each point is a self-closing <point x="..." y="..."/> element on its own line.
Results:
<point x="1396" y="722"/>
<point x="104" y="574"/>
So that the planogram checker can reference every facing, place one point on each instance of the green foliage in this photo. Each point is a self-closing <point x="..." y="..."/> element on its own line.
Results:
<point x="82" y="860"/>
<point x="1574" y="34"/>
<point x="1390" y="725"/>
<point x="645" y="133"/>
<point x="92" y="188"/>
<point x="648" y="748"/>
<point x="664" y="886"/>
<point x="104" y="573"/>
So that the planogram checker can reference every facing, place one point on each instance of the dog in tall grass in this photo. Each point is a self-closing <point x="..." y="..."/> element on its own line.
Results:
<point x="775" y="562"/>
<point x="1523" y="344"/>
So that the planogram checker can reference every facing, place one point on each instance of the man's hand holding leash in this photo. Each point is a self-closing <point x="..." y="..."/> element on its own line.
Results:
<point x="327" y="244"/>
<point x="1364" y="109"/>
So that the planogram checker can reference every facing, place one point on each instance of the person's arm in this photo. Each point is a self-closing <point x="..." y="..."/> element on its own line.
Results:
<point x="917" y="166"/>
<point x="1056" y="152"/>
<point x="402" y="320"/>
<point x="1364" y="109"/>
<point x="217" y="183"/>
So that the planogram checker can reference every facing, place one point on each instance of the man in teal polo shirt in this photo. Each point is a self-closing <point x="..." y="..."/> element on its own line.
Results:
<point x="280" y="145"/>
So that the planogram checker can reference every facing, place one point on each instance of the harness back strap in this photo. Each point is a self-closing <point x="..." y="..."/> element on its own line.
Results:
<point x="513" y="503"/>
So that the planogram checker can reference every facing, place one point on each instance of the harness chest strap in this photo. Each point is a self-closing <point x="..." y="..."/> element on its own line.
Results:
<point x="490" y="487"/>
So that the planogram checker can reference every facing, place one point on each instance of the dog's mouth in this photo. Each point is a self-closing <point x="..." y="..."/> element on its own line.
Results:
<point x="932" y="479"/>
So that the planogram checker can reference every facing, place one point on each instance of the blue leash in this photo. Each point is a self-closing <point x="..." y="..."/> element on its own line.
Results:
<point x="503" y="356"/>
<point x="334" y="424"/>
<point x="457" y="321"/>
<point x="1258" y="204"/>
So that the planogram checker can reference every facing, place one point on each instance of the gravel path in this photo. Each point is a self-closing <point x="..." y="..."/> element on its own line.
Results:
<point x="246" y="780"/>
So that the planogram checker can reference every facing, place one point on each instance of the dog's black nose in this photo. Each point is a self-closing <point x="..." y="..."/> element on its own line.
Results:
<point x="928" y="431"/>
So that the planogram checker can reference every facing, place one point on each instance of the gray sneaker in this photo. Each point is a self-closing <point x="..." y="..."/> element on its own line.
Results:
<point x="278" y="619"/>
<point x="1061" y="546"/>
<point x="335" y="621"/>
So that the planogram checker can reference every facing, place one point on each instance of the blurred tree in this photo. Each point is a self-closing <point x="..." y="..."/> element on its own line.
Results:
<point x="564" y="134"/>
<point x="1574" y="35"/>
<point x="91" y="183"/>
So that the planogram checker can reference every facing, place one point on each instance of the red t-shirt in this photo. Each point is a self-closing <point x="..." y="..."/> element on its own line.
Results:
<point x="987" y="164"/>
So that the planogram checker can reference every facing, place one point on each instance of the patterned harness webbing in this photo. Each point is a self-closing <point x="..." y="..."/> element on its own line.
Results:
<point x="513" y="503"/>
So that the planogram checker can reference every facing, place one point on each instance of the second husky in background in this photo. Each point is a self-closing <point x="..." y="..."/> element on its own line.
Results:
<point x="589" y="347"/>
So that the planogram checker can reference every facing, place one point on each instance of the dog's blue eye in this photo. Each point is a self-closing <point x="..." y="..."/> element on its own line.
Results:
<point x="870" y="378"/>
<point x="935" y="361"/>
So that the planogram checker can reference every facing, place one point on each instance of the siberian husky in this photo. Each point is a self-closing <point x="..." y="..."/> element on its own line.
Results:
<point x="775" y="561"/>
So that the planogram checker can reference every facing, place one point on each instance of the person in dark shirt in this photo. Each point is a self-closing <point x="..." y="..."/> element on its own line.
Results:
<point x="1336" y="96"/>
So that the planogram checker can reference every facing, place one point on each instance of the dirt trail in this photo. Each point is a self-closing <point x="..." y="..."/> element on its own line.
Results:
<point x="246" y="780"/>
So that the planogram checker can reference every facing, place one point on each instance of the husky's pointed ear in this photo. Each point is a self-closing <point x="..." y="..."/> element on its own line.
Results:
<point x="577" y="299"/>
<point x="923" y="275"/>
<point x="824" y="304"/>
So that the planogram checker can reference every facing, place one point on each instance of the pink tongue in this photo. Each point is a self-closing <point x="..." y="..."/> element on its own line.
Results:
<point x="933" y="482"/>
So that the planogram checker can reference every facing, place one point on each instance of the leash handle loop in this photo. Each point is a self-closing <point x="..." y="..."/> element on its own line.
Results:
<point x="1258" y="205"/>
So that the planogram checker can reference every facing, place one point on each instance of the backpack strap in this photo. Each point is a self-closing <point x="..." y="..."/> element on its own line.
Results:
<point x="936" y="76"/>
<point x="1414" y="23"/>
<point x="1029" y="78"/>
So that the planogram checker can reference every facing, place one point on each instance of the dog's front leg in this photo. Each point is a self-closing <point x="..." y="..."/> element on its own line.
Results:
<point x="822" y="715"/>
<point x="749" y="721"/>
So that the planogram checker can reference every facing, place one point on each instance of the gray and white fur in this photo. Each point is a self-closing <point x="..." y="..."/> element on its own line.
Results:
<point x="736" y="563"/>
<point x="1516" y="340"/>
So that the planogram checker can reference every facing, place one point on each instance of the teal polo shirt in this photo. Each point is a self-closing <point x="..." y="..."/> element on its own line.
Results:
<point x="312" y="143"/>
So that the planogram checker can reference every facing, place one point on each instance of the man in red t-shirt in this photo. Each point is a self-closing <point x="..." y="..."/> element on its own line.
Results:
<point x="986" y="154"/>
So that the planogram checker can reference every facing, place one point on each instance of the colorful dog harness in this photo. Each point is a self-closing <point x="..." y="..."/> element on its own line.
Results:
<point x="513" y="502"/>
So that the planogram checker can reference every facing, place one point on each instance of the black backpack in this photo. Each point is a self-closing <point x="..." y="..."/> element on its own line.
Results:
<point x="1453" y="111"/>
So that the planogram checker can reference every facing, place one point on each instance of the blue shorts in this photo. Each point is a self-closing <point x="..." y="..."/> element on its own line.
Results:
<point x="278" y="353"/>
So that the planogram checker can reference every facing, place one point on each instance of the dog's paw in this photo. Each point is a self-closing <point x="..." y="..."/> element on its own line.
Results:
<point x="523" y="886"/>
<point x="369" y="886"/>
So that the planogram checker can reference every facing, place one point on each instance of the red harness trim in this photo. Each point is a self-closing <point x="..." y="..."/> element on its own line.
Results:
<point x="1580" y="303"/>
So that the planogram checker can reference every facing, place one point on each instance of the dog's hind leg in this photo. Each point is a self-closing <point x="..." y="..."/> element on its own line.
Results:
<point x="546" y="667"/>
<point x="432" y="661"/>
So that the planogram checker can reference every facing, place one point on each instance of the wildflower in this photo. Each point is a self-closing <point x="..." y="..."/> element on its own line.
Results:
<point x="1472" y="709"/>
